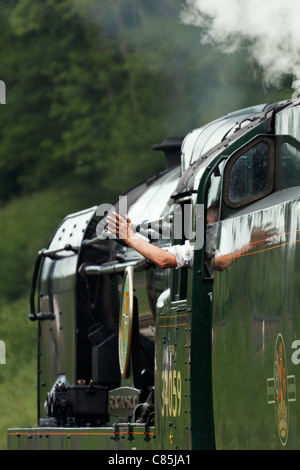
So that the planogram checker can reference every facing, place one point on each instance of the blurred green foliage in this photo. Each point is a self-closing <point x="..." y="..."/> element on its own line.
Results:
<point x="18" y="377"/>
<point x="91" y="85"/>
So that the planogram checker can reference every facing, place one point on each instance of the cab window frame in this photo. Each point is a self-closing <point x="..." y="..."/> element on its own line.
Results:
<point x="179" y="276"/>
<point x="232" y="160"/>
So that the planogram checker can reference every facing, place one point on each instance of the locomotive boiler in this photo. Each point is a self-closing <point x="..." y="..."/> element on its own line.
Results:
<point x="132" y="356"/>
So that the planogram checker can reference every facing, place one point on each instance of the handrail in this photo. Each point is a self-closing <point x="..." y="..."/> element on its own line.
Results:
<point x="43" y="254"/>
<point x="94" y="269"/>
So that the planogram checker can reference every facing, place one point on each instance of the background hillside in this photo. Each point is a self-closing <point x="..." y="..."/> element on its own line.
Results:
<point x="90" y="87"/>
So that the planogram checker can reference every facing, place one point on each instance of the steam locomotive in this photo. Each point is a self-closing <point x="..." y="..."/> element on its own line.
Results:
<point x="132" y="356"/>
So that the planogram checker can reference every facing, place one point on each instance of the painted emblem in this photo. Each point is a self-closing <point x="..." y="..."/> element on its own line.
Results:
<point x="125" y="321"/>
<point x="281" y="390"/>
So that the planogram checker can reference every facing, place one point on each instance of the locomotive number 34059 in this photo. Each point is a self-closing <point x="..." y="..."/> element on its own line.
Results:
<point x="171" y="393"/>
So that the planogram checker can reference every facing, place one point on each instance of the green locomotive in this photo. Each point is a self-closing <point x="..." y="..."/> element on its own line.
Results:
<point x="131" y="356"/>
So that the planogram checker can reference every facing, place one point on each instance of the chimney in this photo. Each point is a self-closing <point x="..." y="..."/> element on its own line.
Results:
<point x="171" y="146"/>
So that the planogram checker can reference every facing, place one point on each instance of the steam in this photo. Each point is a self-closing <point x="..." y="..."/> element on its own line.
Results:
<point x="267" y="30"/>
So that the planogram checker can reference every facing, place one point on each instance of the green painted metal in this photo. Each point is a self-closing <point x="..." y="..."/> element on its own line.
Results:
<point x="122" y="437"/>
<point x="256" y="308"/>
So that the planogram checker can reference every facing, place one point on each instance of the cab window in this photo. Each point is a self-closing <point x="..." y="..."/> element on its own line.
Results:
<point x="249" y="173"/>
